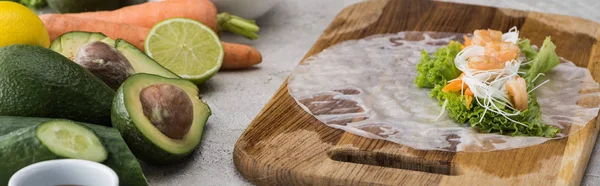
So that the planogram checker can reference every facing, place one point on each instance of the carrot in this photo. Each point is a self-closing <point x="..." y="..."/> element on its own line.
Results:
<point x="150" y="13"/>
<point x="236" y="55"/>
<point x="469" y="100"/>
<point x="455" y="85"/>
<point x="58" y="24"/>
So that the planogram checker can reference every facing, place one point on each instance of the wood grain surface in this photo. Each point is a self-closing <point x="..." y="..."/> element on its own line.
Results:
<point x="284" y="145"/>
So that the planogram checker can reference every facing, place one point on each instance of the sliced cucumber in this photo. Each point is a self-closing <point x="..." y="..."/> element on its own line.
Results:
<point x="71" y="140"/>
<point x="50" y="140"/>
<point x="120" y="158"/>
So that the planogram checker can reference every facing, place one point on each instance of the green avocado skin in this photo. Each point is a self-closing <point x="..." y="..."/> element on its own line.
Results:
<point x="75" y="6"/>
<point x="140" y="144"/>
<point x="38" y="82"/>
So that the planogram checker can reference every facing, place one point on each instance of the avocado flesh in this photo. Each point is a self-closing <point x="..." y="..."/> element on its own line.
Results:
<point x="69" y="44"/>
<point x="145" y="140"/>
<point x="141" y="62"/>
<point x="38" y="82"/>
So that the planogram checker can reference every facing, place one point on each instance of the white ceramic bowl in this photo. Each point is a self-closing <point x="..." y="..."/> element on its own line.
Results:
<point x="249" y="9"/>
<point x="65" y="172"/>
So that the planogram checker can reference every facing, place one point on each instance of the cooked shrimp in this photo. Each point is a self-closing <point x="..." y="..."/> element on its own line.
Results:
<point x="480" y="37"/>
<point x="485" y="63"/>
<point x="496" y="54"/>
<point x="502" y="51"/>
<point x="517" y="91"/>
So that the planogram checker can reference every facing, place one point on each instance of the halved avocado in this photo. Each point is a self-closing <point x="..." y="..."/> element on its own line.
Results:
<point x="141" y="62"/>
<point x="161" y="119"/>
<point x="69" y="44"/>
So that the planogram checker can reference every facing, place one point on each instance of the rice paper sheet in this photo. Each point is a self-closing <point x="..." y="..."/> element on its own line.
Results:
<point x="366" y="87"/>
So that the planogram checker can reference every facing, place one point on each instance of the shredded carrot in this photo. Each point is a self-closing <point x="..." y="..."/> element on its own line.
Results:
<point x="468" y="91"/>
<point x="455" y="85"/>
<point x="467" y="42"/>
<point x="469" y="100"/>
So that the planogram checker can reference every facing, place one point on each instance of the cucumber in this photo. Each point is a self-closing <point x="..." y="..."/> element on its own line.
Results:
<point x="120" y="158"/>
<point x="52" y="139"/>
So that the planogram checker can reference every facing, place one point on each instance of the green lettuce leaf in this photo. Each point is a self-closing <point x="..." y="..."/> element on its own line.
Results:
<point x="545" y="60"/>
<point x="456" y="105"/>
<point x="527" y="49"/>
<point x="438" y="69"/>
<point x="530" y="119"/>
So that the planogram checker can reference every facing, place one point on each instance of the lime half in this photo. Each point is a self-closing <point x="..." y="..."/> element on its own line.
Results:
<point x="187" y="47"/>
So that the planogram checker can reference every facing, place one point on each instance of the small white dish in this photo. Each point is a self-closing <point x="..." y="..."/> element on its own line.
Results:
<point x="65" y="172"/>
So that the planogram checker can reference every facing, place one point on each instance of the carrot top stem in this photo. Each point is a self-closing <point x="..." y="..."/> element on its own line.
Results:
<point x="237" y="25"/>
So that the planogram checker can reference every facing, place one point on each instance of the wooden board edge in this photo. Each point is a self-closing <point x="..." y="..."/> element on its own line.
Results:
<point x="243" y="159"/>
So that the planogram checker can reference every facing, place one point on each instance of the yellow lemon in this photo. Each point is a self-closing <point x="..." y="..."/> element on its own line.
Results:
<point x="19" y="25"/>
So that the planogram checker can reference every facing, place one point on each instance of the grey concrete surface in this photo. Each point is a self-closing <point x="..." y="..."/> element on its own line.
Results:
<point x="287" y="32"/>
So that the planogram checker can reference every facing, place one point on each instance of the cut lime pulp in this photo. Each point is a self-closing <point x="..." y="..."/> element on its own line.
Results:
<point x="186" y="47"/>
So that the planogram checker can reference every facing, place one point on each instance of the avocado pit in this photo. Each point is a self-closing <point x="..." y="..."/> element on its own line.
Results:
<point x="105" y="62"/>
<point x="168" y="108"/>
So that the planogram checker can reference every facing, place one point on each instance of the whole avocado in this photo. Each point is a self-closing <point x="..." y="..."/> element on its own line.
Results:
<point x="38" y="82"/>
<point x="75" y="6"/>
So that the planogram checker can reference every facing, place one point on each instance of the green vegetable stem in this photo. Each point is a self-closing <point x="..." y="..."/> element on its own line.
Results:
<point x="237" y="25"/>
<point x="34" y="3"/>
<point x="30" y="3"/>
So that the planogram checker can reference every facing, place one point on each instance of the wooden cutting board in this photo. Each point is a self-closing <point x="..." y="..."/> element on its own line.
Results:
<point x="286" y="146"/>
